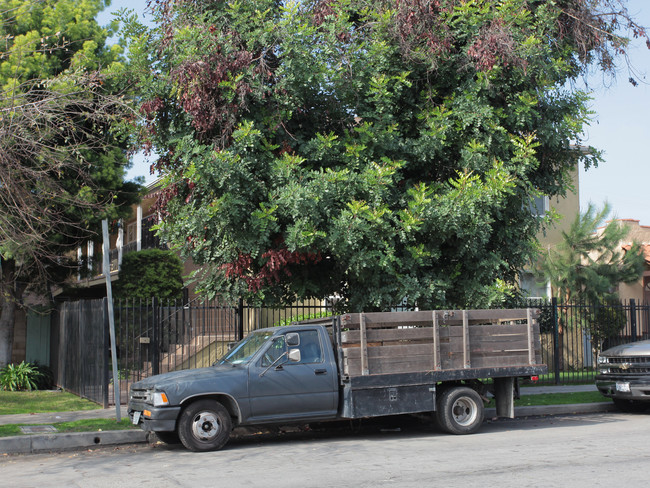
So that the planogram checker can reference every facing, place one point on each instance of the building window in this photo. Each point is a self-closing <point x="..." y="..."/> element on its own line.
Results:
<point x="539" y="206"/>
<point x="533" y="286"/>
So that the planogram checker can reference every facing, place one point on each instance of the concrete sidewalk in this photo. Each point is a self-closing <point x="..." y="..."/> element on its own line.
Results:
<point x="31" y="443"/>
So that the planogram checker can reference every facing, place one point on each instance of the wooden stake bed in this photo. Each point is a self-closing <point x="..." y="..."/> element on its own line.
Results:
<point x="437" y="341"/>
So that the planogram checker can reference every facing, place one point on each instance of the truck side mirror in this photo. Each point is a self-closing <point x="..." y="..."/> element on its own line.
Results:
<point x="292" y="339"/>
<point x="294" y="355"/>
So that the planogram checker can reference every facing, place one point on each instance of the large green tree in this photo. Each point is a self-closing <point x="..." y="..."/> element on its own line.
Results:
<point x="375" y="150"/>
<point x="63" y="160"/>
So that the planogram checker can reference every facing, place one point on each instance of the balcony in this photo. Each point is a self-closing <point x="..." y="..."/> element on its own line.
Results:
<point x="93" y="259"/>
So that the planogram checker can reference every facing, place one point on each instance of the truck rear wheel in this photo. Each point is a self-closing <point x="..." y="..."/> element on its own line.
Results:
<point x="204" y="425"/>
<point x="460" y="410"/>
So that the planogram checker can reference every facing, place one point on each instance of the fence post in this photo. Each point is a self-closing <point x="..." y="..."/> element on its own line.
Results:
<point x="556" y="341"/>
<point x="240" y="320"/>
<point x="633" y="319"/>
<point x="155" y="337"/>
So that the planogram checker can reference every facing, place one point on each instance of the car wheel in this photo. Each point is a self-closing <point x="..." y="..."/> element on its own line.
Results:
<point x="204" y="425"/>
<point x="460" y="411"/>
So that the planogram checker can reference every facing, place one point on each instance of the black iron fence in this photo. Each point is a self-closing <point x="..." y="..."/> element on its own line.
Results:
<point x="80" y="341"/>
<point x="156" y="337"/>
<point x="572" y="334"/>
<point x="153" y="337"/>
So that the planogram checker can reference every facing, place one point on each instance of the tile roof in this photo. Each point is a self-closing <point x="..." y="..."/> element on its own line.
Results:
<point x="645" y="248"/>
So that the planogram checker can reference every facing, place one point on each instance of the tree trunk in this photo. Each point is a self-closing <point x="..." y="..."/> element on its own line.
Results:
<point x="7" y="310"/>
<point x="7" y="315"/>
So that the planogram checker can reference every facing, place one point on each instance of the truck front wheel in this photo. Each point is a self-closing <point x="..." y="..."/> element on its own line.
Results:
<point x="204" y="425"/>
<point x="460" y="410"/>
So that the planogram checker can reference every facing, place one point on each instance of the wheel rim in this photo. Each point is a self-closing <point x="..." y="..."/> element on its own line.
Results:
<point x="205" y="426"/>
<point x="464" y="411"/>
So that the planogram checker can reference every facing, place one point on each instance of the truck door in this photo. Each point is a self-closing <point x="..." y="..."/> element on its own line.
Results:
<point x="293" y="390"/>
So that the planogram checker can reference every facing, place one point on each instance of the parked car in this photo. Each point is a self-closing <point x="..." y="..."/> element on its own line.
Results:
<point x="624" y="375"/>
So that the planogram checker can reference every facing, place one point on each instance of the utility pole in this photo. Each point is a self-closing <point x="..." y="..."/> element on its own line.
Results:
<point x="111" y="317"/>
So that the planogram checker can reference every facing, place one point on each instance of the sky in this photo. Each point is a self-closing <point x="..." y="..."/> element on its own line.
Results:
<point x="619" y="128"/>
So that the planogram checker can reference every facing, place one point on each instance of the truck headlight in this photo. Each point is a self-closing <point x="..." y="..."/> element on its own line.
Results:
<point x="159" y="399"/>
<point x="602" y="359"/>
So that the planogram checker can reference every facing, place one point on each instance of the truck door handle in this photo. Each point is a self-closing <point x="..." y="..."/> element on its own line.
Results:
<point x="320" y="371"/>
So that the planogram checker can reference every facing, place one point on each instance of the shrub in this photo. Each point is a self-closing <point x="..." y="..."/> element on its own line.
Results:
<point x="299" y="318"/>
<point x="148" y="274"/>
<point x="21" y="377"/>
<point x="45" y="380"/>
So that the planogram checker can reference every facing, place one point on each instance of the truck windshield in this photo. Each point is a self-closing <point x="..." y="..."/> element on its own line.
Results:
<point x="246" y="349"/>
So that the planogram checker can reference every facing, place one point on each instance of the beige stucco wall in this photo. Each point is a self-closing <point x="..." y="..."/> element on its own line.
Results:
<point x="567" y="208"/>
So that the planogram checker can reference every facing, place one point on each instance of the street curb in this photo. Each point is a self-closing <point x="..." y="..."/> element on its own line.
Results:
<point x="26" y="444"/>
<point x="540" y="410"/>
<point x="51" y="442"/>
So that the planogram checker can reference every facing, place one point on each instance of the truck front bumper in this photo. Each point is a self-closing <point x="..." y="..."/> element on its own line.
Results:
<point x="156" y="419"/>
<point x="624" y="387"/>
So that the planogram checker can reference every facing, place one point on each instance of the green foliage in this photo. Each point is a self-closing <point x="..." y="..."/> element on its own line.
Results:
<point x="588" y="264"/>
<point x="298" y="318"/>
<point x="606" y="322"/>
<point x="23" y="376"/>
<point x="372" y="150"/>
<point x="148" y="274"/>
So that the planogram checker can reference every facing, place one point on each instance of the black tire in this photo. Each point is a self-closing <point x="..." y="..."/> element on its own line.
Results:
<point x="460" y="410"/>
<point x="204" y="425"/>
<point x="630" y="406"/>
<point x="168" y="437"/>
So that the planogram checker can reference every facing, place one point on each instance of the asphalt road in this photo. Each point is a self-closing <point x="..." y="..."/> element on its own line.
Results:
<point x="610" y="449"/>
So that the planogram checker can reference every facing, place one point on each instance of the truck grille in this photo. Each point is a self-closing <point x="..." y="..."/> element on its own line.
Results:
<point x="139" y="395"/>
<point x="627" y="365"/>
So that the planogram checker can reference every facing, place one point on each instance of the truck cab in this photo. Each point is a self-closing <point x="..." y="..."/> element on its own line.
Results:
<point x="273" y="375"/>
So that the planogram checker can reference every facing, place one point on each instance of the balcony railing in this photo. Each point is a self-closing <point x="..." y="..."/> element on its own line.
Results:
<point x="148" y="240"/>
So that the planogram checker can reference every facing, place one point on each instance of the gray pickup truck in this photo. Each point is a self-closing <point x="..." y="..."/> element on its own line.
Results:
<point x="624" y="375"/>
<point x="347" y="367"/>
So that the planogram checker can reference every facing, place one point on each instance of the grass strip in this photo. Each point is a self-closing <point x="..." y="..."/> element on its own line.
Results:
<point x="566" y="378"/>
<point x="557" y="399"/>
<point x="42" y="401"/>
<point x="90" y="425"/>
<point x="561" y="398"/>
